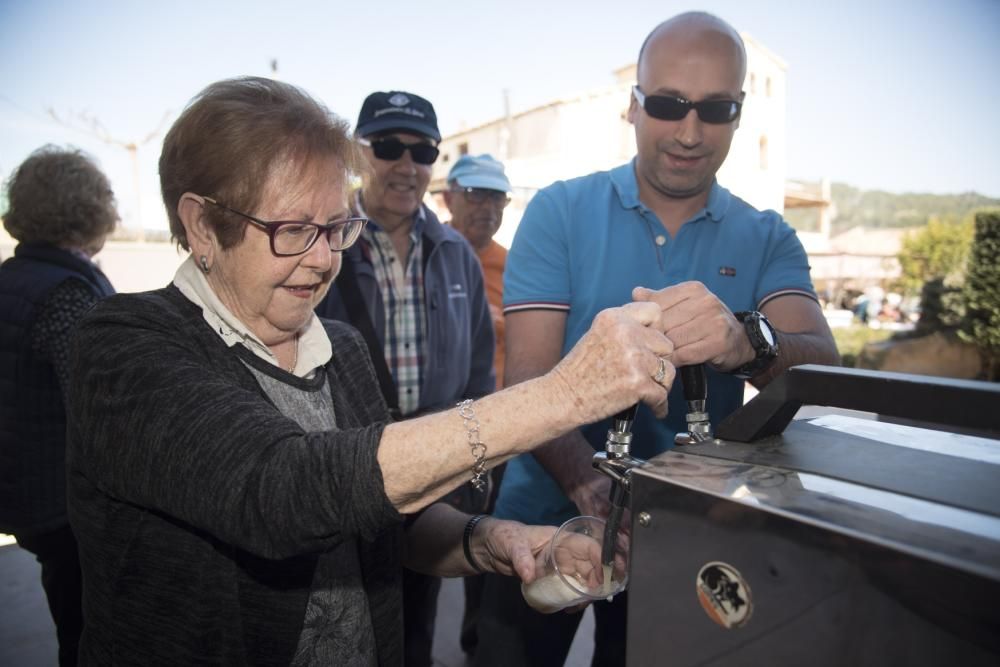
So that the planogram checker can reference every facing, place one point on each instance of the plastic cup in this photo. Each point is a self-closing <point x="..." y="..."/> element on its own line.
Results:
<point x="570" y="571"/>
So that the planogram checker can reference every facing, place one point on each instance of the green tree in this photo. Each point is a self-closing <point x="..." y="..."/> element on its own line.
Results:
<point x="941" y="307"/>
<point x="935" y="252"/>
<point x="981" y="293"/>
<point x="877" y="209"/>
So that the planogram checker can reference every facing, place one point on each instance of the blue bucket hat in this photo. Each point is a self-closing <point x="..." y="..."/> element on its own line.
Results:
<point x="479" y="171"/>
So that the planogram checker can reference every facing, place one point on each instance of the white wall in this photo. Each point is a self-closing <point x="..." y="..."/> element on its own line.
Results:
<point x="763" y="116"/>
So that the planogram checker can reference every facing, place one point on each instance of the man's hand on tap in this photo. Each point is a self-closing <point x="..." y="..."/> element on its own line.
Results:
<point x="701" y="327"/>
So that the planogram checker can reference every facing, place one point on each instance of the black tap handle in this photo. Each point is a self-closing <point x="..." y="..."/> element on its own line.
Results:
<point x="626" y="415"/>
<point x="695" y="382"/>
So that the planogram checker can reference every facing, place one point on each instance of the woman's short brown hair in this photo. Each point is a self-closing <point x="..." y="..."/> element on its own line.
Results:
<point x="59" y="196"/>
<point x="231" y="137"/>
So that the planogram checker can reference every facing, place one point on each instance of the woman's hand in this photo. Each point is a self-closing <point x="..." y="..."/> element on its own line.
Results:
<point x="621" y="360"/>
<point x="509" y="547"/>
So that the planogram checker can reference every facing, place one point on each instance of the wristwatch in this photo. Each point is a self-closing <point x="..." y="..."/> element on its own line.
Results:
<point x="764" y="340"/>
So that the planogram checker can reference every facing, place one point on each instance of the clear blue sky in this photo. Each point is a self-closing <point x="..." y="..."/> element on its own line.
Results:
<point x="889" y="94"/>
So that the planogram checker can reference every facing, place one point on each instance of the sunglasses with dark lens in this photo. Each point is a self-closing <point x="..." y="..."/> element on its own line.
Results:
<point x="392" y="148"/>
<point x="668" y="107"/>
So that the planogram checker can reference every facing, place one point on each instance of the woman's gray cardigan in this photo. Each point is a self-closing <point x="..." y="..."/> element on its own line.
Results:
<point x="199" y="508"/>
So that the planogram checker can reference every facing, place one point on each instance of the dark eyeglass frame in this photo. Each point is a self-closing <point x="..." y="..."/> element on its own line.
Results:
<point x="392" y="149"/>
<point x="670" y="107"/>
<point x="481" y="195"/>
<point x="272" y="229"/>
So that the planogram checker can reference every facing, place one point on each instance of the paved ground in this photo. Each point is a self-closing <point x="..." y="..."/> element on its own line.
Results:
<point x="27" y="636"/>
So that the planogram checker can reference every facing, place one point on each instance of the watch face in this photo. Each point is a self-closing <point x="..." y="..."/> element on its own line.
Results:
<point x="765" y="331"/>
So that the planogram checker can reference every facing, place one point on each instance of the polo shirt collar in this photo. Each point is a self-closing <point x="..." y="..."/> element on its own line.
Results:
<point x="626" y="186"/>
<point x="717" y="205"/>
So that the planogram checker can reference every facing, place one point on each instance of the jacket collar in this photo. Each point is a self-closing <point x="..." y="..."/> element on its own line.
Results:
<point x="425" y="222"/>
<point x="73" y="260"/>
<point x="626" y="186"/>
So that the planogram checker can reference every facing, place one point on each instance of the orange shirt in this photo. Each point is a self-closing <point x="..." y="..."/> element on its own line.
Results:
<point x="493" y="258"/>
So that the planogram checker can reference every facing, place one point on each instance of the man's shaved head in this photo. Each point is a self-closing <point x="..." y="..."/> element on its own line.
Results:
<point x="693" y="57"/>
<point x="694" y="26"/>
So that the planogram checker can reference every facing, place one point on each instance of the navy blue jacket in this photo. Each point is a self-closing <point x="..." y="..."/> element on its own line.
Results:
<point x="460" y="342"/>
<point x="32" y="412"/>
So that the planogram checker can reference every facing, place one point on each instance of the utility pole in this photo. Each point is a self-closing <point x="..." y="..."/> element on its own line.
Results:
<point x="89" y="124"/>
<point x="507" y="129"/>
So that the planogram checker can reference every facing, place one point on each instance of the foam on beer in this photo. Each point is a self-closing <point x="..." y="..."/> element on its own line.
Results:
<point x="551" y="593"/>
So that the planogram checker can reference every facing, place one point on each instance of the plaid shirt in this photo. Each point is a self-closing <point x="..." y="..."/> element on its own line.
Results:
<point x="402" y="287"/>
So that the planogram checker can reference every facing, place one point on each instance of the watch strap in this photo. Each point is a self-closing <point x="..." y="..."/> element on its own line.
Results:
<point x="765" y="351"/>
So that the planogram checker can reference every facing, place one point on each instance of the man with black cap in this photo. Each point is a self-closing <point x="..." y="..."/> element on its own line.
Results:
<point x="414" y="288"/>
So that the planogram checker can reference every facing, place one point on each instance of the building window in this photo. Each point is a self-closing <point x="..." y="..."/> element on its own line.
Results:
<point x="463" y="149"/>
<point x="753" y="83"/>
<point x="767" y="87"/>
<point x="763" y="153"/>
<point x="445" y="157"/>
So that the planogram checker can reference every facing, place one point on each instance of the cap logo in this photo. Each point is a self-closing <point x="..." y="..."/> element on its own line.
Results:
<point x="406" y="112"/>
<point x="399" y="100"/>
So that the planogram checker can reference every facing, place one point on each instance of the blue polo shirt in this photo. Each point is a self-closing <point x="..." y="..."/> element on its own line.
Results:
<point x="582" y="246"/>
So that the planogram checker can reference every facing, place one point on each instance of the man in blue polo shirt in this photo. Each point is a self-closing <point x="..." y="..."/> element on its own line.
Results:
<point x="733" y="283"/>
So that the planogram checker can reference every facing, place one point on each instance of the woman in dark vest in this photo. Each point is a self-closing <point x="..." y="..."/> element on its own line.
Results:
<point x="60" y="210"/>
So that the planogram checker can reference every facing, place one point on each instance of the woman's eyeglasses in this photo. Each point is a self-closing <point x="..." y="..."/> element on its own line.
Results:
<point x="290" y="238"/>
<point x="391" y="148"/>
<point x="668" y="107"/>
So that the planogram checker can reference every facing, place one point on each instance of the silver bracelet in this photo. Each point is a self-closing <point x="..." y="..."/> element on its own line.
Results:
<point x="476" y="446"/>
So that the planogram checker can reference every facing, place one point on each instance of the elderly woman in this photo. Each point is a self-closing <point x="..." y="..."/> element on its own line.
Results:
<point x="238" y="488"/>
<point x="60" y="210"/>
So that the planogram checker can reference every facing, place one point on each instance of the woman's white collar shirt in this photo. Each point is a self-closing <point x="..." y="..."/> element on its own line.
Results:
<point x="314" y="344"/>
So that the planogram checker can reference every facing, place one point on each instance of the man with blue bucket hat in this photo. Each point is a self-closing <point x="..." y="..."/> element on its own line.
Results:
<point x="478" y="192"/>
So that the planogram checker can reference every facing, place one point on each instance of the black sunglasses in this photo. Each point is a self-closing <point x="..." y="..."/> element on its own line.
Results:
<point x="668" y="107"/>
<point x="392" y="148"/>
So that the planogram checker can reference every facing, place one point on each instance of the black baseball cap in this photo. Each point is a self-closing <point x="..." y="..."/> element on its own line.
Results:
<point x="397" y="111"/>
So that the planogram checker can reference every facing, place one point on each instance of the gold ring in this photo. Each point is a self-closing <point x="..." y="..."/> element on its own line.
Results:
<point x="661" y="372"/>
